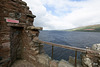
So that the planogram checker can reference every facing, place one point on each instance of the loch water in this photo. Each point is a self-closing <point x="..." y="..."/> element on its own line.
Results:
<point x="76" y="39"/>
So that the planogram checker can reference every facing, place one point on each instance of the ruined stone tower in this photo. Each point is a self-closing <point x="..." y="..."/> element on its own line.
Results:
<point x="17" y="32"/>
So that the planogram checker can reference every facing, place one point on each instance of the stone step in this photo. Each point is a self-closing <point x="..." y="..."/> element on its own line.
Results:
<point x="32" y="57"/>
<point x="36" y="45"/>
<point x="36" y="52"/>
<point x="30" y="15"/>
<point x="34" y="49"/>
<point x="16" y="25"/>
<point x="22" y="63"/>
<point x="34" y="28"/>
<point x="4" y="32"/>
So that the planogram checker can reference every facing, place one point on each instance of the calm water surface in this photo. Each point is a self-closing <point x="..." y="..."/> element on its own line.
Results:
<point x="76" y="39"/>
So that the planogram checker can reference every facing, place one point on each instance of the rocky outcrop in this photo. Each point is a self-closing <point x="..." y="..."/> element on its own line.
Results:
<point x="91" y="60"/>
<point x="46" y="61"/>
<point x="22" y="63"/>
<point x="96" y="47"/>
<point x="64" y="63"/>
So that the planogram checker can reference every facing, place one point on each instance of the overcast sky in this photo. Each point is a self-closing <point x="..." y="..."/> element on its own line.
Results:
<point x="64" y="14"/>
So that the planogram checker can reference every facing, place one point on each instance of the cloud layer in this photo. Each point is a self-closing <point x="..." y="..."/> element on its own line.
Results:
<point x="64" y="14"/>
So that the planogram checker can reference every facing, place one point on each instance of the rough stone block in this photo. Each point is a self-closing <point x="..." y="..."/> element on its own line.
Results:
<point x="34" y="49"/>
<point x="6" y="37"/>
<point x="31" y="43"/>
<point x="22" y="63"/>
<point x="96" y="47"/>
<point x="64" y="63"/>
<point x="32" y="57"/>
<point x="43" y="59"/>
<point x="30" y="15"/>
<point x="34" y="28"/>
<point x="71" y="60"/>
<point x="10" y="6"/>
<point x="23" y="3"/>
<point x="14" y="0"/>
<point x="87" y="62"/>
<point x="6" y="45"/>
<point x="53" y="63"/>
<point x="36" y="39"/>
<point x="36" y="52"/>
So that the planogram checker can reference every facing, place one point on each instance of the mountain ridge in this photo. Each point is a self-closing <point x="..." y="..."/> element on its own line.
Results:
<point x="89" y="28"/>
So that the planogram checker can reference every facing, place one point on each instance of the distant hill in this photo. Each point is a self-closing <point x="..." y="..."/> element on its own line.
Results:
<point x="90" y="28"/>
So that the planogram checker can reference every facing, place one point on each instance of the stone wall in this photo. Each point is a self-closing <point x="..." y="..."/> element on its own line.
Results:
<point x="90" y="59"/>
<point x="13" y="37"/>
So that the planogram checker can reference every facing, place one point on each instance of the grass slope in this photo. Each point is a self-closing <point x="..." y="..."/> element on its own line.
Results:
<point x="90" y="28"/>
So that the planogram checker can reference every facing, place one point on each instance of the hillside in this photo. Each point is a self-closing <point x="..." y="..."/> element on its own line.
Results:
<point x="90" y="28"/>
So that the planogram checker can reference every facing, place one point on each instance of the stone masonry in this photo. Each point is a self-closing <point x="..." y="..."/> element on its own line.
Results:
<point x="17" y="39"/>
<point x="92" y="60"/>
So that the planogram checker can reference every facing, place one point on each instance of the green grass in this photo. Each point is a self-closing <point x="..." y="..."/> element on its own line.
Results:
<point x="84" y="29"/>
